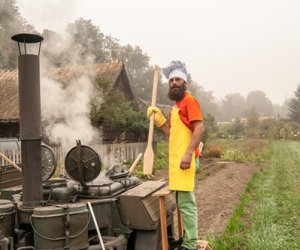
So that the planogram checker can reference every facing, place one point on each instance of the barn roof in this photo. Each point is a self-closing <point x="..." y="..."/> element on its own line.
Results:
<point x="8" y="75"/>
<point x="109" y="71"/>
<point x="9" y="94"/>
<point x="9" y="97"/>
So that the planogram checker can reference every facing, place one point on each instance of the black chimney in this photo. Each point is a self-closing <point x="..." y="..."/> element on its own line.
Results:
<point x="30" y="118"/>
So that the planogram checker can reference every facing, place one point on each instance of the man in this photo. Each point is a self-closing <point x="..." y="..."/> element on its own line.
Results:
<point x="184" y="128"/>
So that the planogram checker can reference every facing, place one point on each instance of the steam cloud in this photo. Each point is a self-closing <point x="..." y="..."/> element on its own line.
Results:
<point x="66" y="107"/>
<point x="65" y="112"/>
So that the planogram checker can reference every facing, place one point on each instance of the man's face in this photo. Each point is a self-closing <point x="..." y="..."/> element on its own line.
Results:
<point x="177" y="88"/>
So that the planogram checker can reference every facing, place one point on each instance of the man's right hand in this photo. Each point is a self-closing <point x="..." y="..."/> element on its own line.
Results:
<point x="159" y="118"/>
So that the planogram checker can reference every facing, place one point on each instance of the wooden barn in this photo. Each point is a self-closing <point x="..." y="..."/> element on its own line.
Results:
<point x="9" y="104"/>
<point x="114" y="73"/>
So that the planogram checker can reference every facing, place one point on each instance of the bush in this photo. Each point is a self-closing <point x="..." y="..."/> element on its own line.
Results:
<point x="242" y="150"/>
<point x="212" y="150"/>
<point x="234" y="155"/>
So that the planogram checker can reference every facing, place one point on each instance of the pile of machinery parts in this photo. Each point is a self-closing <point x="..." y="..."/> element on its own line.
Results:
<point x="126" y="212"/>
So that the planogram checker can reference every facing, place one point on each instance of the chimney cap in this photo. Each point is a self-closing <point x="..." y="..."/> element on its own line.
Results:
<point x="27" y="38"/>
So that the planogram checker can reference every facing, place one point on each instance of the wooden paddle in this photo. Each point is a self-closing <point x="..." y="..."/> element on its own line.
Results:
<point x="11" y="162"/>
<point x="149" y="155"/>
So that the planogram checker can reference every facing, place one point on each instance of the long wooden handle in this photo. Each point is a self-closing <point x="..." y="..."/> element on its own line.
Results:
<point x="149" y="155"/>
<point x="155" y="84"/>
<point x="11" y="162"/>
<point x="134" y="164"/>
<point x="153" y="103"/>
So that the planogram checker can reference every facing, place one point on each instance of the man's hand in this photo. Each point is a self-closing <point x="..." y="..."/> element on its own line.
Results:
<point x="159" y="118"/>
<point x="186" y="161"/>
<point x="196" y="137"/>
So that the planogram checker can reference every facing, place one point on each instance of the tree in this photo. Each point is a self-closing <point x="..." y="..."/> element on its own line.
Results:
<point x="211" y="127"/>
<point x="11" y="23"/>
<point x="84" y="43"/>
<point x="140" y="73"/>
<point x="92" y="44"/>
<point x="233" y="105"/>
<point x="121" y="115"/>
<point x="252" y="124"/>
<point x="294" y="106"/>
<point x="258" y="101"/>
<point x="237" y="128"/>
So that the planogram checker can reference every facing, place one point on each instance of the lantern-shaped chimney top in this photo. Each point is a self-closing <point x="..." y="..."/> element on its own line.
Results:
<point x="26" y="38"/>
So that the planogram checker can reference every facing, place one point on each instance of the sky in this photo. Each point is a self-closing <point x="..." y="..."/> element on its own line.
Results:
<point x="232" y="46"/>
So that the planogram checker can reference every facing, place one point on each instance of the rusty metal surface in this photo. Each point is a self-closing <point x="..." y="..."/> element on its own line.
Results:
<point x="32" y="172"/>
<point x="30" y="129"/>
<point x="139" y="209"/>
<point x="29" y="97"/>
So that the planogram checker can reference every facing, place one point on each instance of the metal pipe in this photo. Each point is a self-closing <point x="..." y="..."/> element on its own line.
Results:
<point x="30" y="129"/>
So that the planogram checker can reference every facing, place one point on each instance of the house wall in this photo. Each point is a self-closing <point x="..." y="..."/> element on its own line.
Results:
<point x="9" y="129"/>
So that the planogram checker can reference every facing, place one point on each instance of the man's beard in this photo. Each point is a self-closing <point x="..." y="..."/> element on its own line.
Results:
<point x="177" y="93"/>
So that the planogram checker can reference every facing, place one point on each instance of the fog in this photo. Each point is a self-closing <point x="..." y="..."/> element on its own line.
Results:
<point x="228" y="46"/>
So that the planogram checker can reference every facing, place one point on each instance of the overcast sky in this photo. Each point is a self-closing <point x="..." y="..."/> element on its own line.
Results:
<point x="229" y="46"/>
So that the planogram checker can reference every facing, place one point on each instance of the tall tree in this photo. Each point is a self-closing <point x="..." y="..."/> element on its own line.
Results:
<point x="294" y="106"/>
<point x="211" y="127"/>
<point x="233" y="105"/>
<point x="83" y="43"/>
<point x="91" y="42"/>
<point x="11" y="23"/>
<point x="237" y="128"/>
<point x="139" y="71"/>
<point x="252" y="118"/>
<point x="258" y="101"/>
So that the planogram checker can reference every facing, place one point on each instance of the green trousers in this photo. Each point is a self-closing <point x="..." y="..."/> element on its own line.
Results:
<point x="187" y="204"/>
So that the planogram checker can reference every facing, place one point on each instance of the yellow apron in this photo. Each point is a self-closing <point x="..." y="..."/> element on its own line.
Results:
<point x="179" y="140"/>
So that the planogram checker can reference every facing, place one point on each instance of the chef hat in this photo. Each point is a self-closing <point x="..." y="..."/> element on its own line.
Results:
<point x="175" y="69"/>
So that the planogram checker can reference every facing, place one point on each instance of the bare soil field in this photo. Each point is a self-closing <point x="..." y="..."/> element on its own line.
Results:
<point x="219" y="186"/>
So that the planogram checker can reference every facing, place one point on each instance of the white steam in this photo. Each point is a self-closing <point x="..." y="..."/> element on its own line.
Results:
<point x="66" y="103"/>
<point x="65" y="111"/>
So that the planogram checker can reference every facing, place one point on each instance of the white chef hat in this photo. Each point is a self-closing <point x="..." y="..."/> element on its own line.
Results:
<point x="175" y="69"/>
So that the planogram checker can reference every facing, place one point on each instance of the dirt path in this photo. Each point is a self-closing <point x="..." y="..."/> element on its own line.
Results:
<point x="218" y="190"/>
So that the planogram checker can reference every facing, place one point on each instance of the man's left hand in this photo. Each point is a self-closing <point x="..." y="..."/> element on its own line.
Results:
<point x="186" y="161"/>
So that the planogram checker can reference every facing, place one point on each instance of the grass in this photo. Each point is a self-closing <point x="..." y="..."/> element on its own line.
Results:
<point x="268" y="215"/>
<point x="230" y="150"/>
<point x="160" y="161"/>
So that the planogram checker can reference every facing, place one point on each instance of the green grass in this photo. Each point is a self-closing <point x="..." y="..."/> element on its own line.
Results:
<point x="268" y="215"/>
<point x="160" y="161"/>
